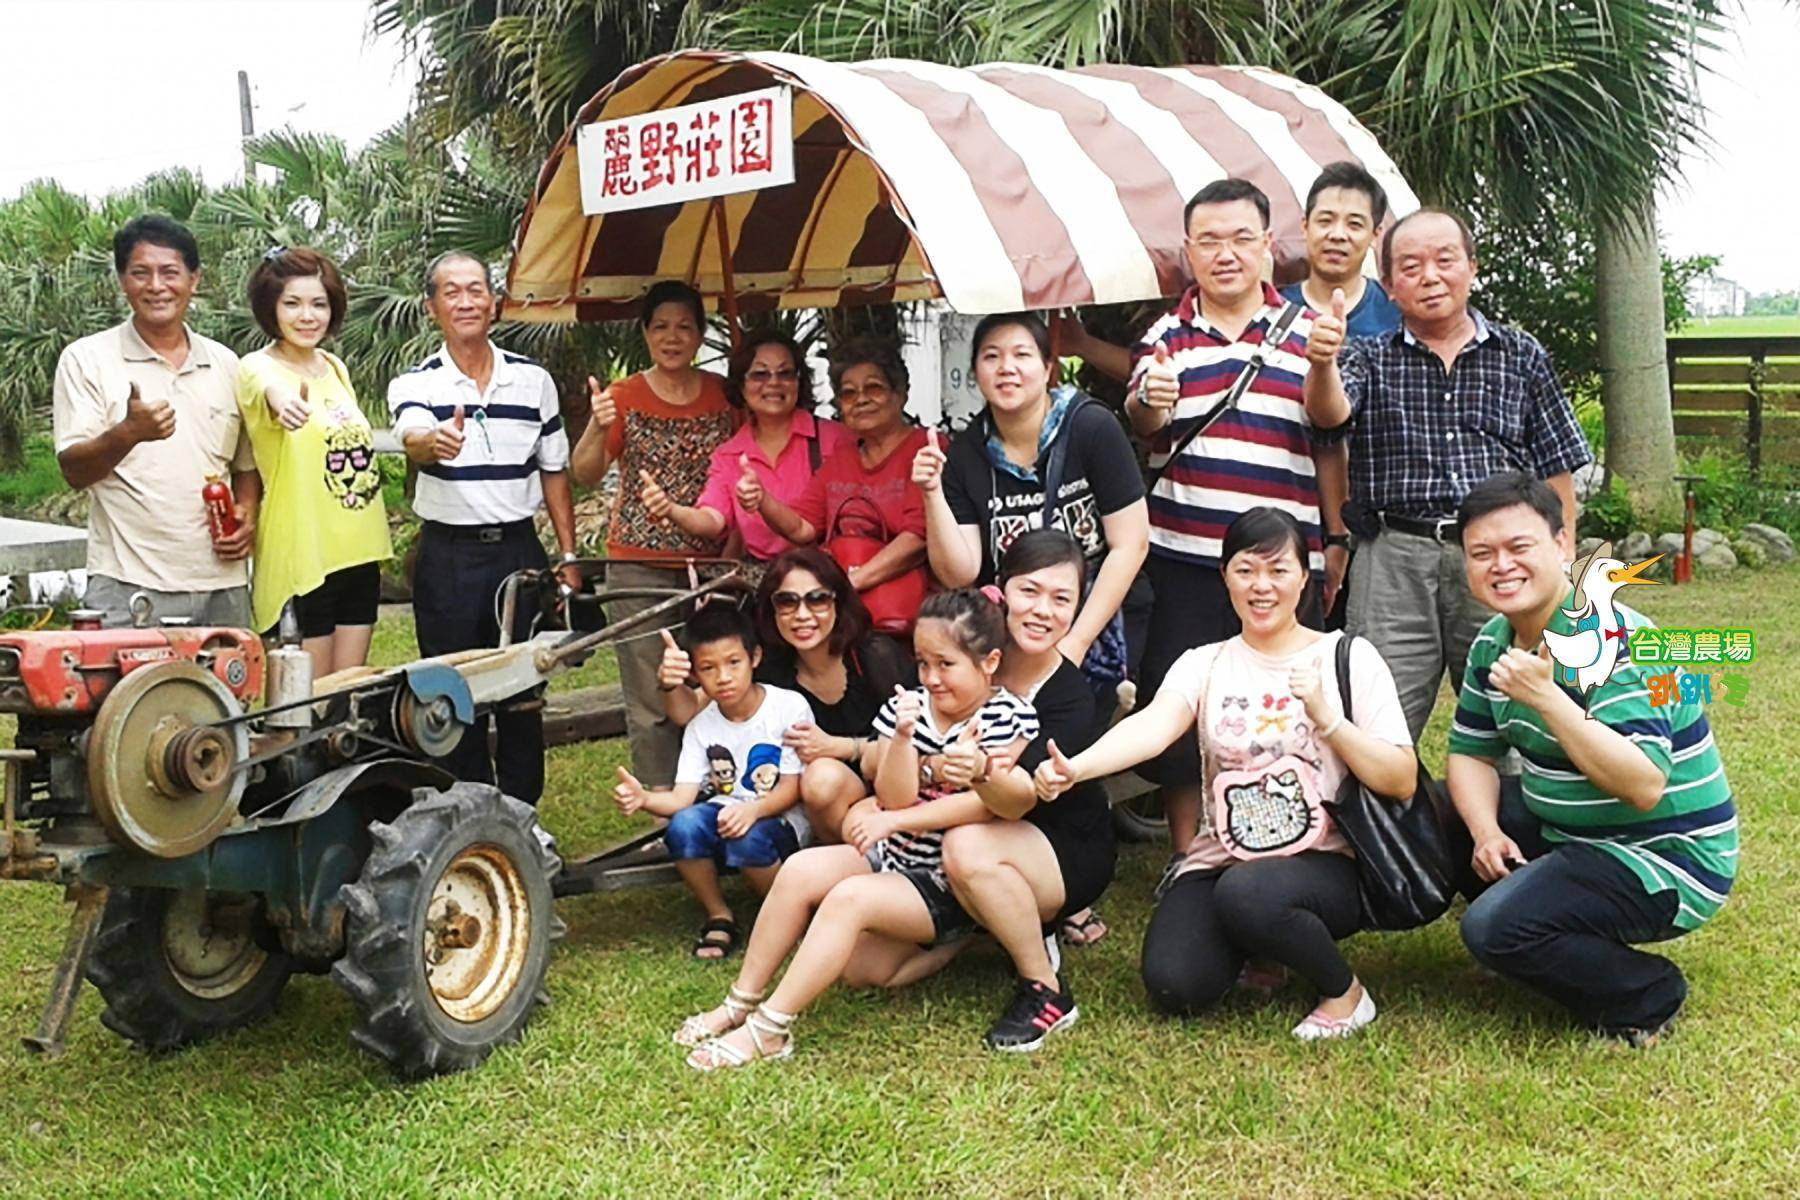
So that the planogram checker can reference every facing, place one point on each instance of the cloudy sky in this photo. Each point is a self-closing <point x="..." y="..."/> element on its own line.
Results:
<point x="101" y="92"/>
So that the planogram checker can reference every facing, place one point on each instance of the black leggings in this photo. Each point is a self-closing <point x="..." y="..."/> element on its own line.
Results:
<point x="1293" y="910"/>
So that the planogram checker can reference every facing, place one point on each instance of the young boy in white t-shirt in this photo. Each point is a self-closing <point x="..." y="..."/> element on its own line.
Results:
<point x="736" y="799"/>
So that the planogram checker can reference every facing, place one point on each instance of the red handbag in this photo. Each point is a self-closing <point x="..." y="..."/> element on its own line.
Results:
<point x="894" y="605"/>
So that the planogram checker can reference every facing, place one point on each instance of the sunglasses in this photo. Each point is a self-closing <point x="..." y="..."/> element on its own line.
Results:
<point x="818" y="600"/>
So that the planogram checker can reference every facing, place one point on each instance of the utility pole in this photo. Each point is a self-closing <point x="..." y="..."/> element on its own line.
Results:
<point x="246" y="123"/>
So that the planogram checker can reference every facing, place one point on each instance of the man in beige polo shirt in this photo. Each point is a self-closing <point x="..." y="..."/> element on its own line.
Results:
<point x="144" y="412"/>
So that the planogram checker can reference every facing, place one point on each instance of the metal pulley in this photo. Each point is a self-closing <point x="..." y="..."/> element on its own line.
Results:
<point x="161" y="775"/>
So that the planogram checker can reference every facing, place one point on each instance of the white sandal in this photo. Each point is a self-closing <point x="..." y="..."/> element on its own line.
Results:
<point x="721" y="1054"/>
<point x="738" y="1005"/>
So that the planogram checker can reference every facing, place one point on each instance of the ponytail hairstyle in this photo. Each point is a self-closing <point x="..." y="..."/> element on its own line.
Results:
<point x="976" y="618"/>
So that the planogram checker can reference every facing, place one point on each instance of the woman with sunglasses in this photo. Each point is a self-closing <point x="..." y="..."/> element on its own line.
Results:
<point x="779" y="450"/>
<point x="817" y="641"/>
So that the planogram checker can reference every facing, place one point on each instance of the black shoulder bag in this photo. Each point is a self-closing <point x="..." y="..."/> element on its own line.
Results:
<point x="1405" y="868"/>
<point x="1277" y="334"/>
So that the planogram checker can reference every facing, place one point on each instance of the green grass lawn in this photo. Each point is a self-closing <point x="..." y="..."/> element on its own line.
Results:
<point x="1741" y="327"/>
<point x="1465" y="1086"/>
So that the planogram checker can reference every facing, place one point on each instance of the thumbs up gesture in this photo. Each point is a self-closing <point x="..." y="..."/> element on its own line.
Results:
<point x="906" y="711"/>
<point x="628" y="793"/>
<point x="1328" y="331"/>
<point x="656" y="501"/>
<point x="749" y="488"/>
<point x="146" y="422"/>
<point x="1161" y="386"/>
<point x="447" y="438"/>
<point x="676" y="667"/>
<point x="965" y="762"/>
<point x="600" y="404"/>
<point x="288" y="406"/>
<point x="928" y="464"/>
<point x="1054" y="776"/>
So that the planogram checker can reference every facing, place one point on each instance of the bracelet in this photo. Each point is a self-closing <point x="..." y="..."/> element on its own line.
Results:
<point x="1337" y="723"/>
<point x="569" y="556"/>
<point x="856" y="750"/>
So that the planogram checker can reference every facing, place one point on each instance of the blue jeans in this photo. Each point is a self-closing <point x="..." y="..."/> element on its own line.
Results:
<point x="694" y="833"/>
<point x="1564" y="926"/>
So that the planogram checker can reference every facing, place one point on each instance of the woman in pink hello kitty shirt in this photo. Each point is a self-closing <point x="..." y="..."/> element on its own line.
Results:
<point x="1267" y="876"/>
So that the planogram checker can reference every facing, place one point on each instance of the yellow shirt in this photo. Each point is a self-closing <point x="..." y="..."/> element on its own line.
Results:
<point x="146" y="521"/>
<point x="321" y="509"/>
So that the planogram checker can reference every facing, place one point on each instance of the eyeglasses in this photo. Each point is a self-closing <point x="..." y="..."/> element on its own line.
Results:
<point x="874" y="391"/>
<point x="818" y="600"/>
<point x="761" y="376"/>
<point x="1212" y="246"/>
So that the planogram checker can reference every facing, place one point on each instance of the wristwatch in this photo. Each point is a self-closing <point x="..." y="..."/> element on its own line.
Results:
<point x="569" y="556"/>
<point x="926" y="773"/>
<point x="1338" y="539"/>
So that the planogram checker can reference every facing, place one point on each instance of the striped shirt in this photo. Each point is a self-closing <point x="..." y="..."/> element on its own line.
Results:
<point x="1260" y="454"/>
<point x="1688" y="842"/>
<point x="510" y="434"/>
<point x="1004" y="719"/>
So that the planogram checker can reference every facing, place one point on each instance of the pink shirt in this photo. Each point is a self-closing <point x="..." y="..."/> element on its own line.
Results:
<point x="785" y="478"/>
<point x="1252" y="721"/>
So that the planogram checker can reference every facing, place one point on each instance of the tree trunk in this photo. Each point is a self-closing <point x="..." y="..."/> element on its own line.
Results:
<point x="1634" y="370"/>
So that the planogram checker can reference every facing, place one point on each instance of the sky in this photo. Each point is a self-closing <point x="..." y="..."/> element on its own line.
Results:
<point x="126" y="87"/>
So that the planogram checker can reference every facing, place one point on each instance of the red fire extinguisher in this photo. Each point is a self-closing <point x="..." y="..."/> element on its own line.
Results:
<point x="221" y="512"/>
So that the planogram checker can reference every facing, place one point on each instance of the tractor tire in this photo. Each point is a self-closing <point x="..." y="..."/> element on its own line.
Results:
<point x="178" y="967"/>
<point x="1140" y="818"/>
<point x="448" y="931"/>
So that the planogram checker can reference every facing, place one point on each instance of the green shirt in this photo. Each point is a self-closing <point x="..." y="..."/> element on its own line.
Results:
<point x="1688" y="842"/>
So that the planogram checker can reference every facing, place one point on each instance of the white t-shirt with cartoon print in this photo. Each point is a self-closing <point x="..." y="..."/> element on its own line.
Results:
<point x="1256" y="732"/>
<point x="733" y="761"/>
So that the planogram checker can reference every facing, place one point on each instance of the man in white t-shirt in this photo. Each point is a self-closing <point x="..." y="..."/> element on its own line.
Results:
<point x="736" y="799"/>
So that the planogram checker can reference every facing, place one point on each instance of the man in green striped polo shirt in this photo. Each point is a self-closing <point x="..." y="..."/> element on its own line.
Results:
<point x="1629" y="833"/>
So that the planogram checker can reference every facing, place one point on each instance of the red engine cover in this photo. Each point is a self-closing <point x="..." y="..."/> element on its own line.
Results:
<point x="69" y="672"/>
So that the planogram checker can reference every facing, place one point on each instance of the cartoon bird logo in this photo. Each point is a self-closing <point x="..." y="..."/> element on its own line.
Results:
<point x="1594" y="649"/>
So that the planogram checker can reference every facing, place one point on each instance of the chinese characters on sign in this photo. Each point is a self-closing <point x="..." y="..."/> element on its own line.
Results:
<point x="1650" y="647"/>
<point x="714" y="148"/>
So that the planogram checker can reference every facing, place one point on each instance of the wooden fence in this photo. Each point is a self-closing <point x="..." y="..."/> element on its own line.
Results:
<point x="1741" y="393"/>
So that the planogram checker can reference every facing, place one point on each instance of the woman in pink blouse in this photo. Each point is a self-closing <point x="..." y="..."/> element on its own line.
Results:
<point x="779" y="447"/>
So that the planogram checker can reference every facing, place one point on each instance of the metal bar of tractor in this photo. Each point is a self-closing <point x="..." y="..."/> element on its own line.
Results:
<point x="65" y="982"/>
<point x="580" y="644"/>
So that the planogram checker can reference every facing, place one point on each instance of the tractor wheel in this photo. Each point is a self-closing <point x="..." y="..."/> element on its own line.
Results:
<point x="448" y="931"/>
<point x="1138" y="817"/>
<point x="178" y="967"/>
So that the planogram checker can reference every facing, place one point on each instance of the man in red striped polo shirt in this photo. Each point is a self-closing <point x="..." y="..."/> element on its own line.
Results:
<point x="1259" y="453"/>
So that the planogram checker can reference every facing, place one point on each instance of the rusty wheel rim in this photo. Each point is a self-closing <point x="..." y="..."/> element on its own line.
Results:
<point x="477" y="932"/>
<point x="207" y="944"/>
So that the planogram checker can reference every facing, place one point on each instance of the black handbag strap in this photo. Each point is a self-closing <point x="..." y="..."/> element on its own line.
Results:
<point x="1054" y="466"/>
<point x="812" y="449"/>
<point x="1252" y="368"/>
<point x="1343" y="676"/>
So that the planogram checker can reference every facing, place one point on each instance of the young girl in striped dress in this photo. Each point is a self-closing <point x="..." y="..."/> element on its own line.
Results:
<point x="879" y="906"/>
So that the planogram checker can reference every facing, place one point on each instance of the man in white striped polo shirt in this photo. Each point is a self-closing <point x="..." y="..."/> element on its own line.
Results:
<point x="1259" y="454"/>
<point x="485" y="428"/>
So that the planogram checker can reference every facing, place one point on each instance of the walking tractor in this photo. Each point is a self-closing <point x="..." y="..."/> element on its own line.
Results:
<point x="212" y="847"/>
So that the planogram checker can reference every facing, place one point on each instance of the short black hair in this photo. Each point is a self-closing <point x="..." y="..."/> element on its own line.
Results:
<point x="881" y="353"/>
<point x="1505" y="489"/>
<point x="450" y="256"/>
<point x="1039" y="548"/>
<point x="1030" y="322"/>
<point x="720" y="622"/>
<point x="1267" y="531"/>
<point x="672" y="291"/>
<point x="738" y="367"/>
<point x="1387" y="239"/>
<point x="1224" y="191"/>
<point x="1351" y="176"/>
<point x="157" y="230"/>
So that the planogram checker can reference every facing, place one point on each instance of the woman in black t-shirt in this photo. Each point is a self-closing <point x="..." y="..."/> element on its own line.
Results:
<point x="991" y="485"/>
<point x="1062" y="852"/>
<point x="817" y="640"/>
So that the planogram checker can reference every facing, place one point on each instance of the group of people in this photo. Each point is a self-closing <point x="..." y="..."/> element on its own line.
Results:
<point x="902" y="743"/>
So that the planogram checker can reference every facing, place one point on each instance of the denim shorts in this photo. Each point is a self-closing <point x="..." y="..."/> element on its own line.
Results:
<point x="694" y="833"/>
<point x="950" y="921"/>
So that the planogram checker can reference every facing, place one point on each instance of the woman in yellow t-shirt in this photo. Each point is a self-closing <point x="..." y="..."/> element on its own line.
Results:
<point x="322" y="532"/>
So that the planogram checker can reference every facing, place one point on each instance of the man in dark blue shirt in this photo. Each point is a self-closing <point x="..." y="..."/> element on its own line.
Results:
<point x="1432" y="409"/>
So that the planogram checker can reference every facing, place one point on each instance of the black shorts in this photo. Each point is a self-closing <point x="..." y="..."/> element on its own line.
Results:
<point x="950" y="922"/>
<point x="347" y="597"/>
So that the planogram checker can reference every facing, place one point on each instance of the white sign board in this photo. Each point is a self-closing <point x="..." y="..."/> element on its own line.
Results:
<point x="959" y="396"/>
<point x="714" y="148"/>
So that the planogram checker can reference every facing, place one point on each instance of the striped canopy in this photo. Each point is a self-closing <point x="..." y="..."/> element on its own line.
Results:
<point x="996" y="188"/>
